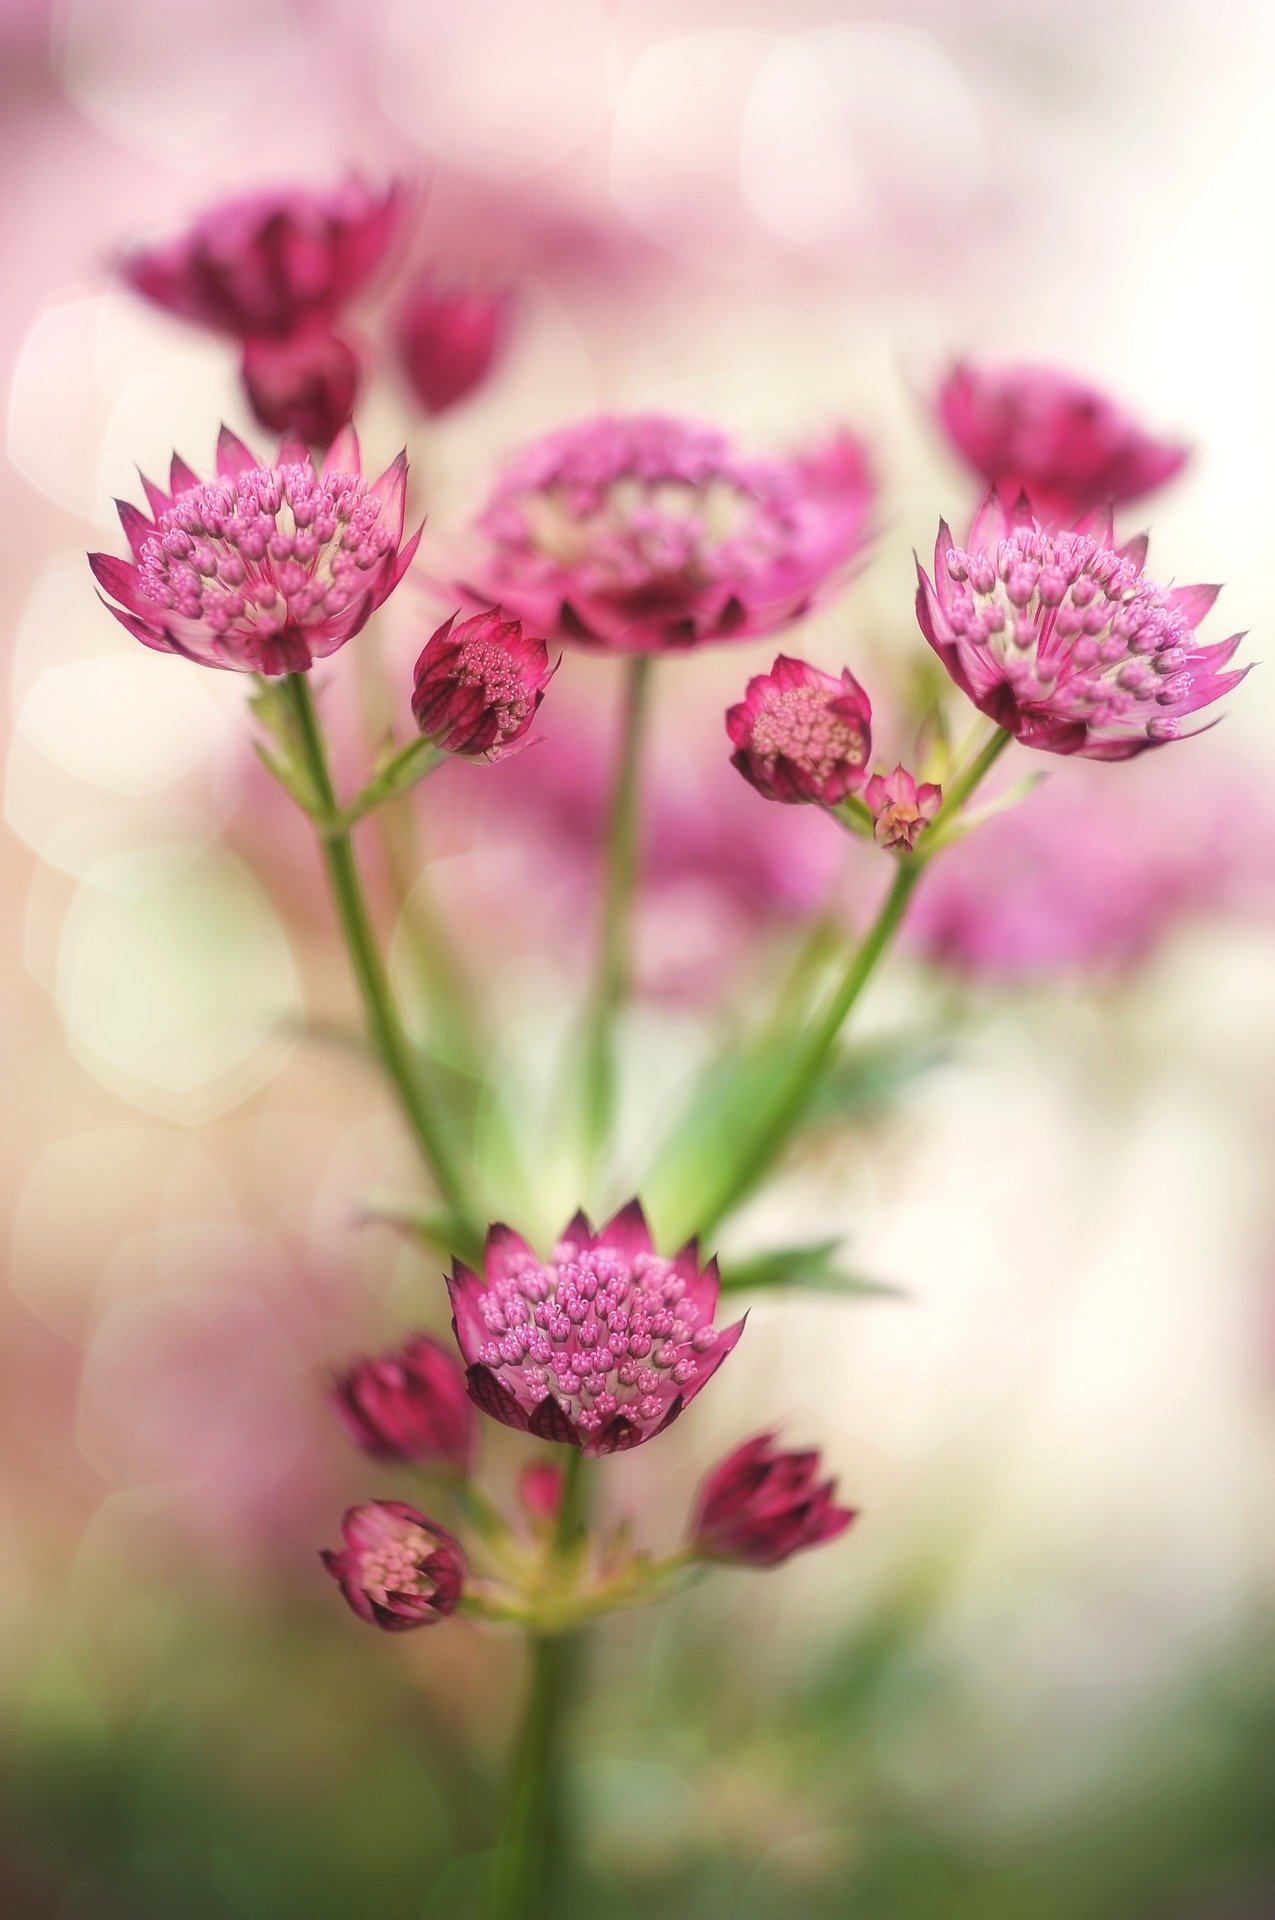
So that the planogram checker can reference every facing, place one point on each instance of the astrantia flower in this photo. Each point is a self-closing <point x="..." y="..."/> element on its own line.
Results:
<point x="759" y="1506"/>
<point x="477" y="686"/>
<point x="1062" y="639"/>
<point x="802" y="735"/>
<point x="397" y="1569"/>
<point x="267" y="568"/>
<point x="900" y="809"/>
<point x="646" y="533"/>
<point x="1067" y="445"/>
<point x="261" y="267"/>
<point x="410" y="1405"/>
<point x="601" y="1346"/>
<point x="306" y="384"/>
<point x="448" y="339"/>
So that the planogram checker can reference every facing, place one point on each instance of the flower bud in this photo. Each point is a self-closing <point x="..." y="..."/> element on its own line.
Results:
<point x="900" y="809"/>
<point x="478" y="685"/>
<point x="759" y="1506"/>
<point x="397" y="1569"/>
<point x="449" y="338"/>
<point x="409" y="1406"/>
<point x="801" y="735"/>
<point x="306" y="384"/>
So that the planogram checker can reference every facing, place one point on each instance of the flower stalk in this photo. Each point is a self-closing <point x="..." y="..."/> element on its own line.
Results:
<point x="614" y="959"/>
<point x="385" y="1027"/>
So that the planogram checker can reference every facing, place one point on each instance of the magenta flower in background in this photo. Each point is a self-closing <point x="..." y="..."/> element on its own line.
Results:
<point x="306" y="384"/>
<point x="643" y="534"/>
<point x="478" y="686"/>
<point x="601" y="1346"/>
<point x="263" y="266"/>
<point x="759" y="1506"/>
<point x="267" y="568"/>
<point x="1069" y="447"/>
<point x="802" y="735"/>
<point x="448" y="339"/>
<point x="540" y="1491"/>
<point x="1062" y="639"/>
<point x="409" y="1406"/>
<point x="397" y="1569"/>
<point x="900" y="809"/>
<point x="1059" y="884"/>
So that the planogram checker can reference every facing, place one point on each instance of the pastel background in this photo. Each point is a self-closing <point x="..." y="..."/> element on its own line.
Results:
<point x="1038" y="1680"/>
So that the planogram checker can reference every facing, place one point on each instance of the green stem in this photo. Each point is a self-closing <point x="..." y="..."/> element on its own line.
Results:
<point x="532" y="1859"/>
<point x="385" y="1027"/>
<point x="810" y="1058"/>
<point x="611" y="980"/>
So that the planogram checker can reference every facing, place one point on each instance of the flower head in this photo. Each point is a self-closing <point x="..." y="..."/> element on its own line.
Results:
<point x="759" y="1506"/>
<point x="262" y="266"/>
<point x="601" y="1346"/>
<point x="900" y="809"/>
<point x="449" y="339"/>
<point x="305" y="385"/>
<point x="397" y="1569"/>
<point x="1067" y="445"/>
<point x="478" y="685"/>
<point x="640" y="534"/>
<point x="410" y="1405"/>
<point x="1062" y="639"/>
<point x="802" y="735"/>
<point x="267" y="568"/>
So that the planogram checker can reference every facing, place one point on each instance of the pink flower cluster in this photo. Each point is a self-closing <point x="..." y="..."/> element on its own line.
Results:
<point x="265" y="569"/>
<point x="760" y="1506"/>
<point x="602" y="1346"/>
<point x="397" y="1569"/>
<point x="1061" y="638"/>
<point x="647" y="534"/>
<point x="478" y="686"/>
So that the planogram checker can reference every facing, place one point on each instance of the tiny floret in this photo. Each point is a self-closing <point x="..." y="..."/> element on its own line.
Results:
<point x="265" y="569"/>
<point x="643" y="533"/>
<point x="800" y="734"/>
<point x="1061" y="638"/>
<point x="601" y="1346"/>
<point x="397" y="1569"/>
<point x="478" y="686"/>
<point x="900" y="809"/>
<point x="760" y="1505"/>
<point x="1068" y="446"/>
<point x="408" y="1406"/>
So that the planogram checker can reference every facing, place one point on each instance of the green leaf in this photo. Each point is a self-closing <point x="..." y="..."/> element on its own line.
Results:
<point x="432" y="1227"/>
<point x="291" y="777"/>
<point x="813" y="1267"/>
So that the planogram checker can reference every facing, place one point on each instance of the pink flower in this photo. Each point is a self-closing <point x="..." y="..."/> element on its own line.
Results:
<point x="265" y="569"/>
<point x="478" y="685"/>
<point x="900" y="809"/>
<point x="601" y="1346"/>
<point x="397" y="1569"/>
<point x="261" y="267"/>
<point x="408" y="1406"/>
<point x="1062" y="639"/>
<point x="306" y="384"/>
<point x="646" y="533"/>
<point x="1067" y="445"/>
<point x="448" y="339"/>
<point x="801" y="735"/>
<point x="760" y="1506"/>
<point x="1059" y="884"/>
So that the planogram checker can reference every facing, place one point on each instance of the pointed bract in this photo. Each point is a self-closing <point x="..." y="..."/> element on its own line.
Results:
<point x="760" y="1505"/>
<point x="478" y="686"/>
<point x="801" y="735"/>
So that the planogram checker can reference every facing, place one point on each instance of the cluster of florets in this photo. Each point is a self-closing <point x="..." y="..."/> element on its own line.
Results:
<point x="267" y="568"/>
<point x="601" y="1346"/>
<point x="478" y="686"/>
<point x="1061" y="638"/>
<point x="647" y="534"/>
